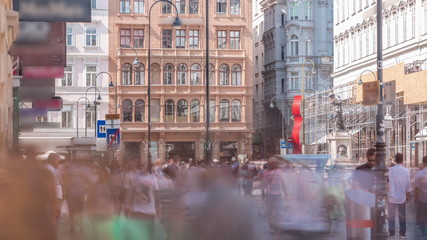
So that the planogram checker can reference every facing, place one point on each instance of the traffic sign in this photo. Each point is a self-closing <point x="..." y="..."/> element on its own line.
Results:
<point x="290" y="145"/>
<point x="112" y="123"/>
<point x="101" y="129"/>
<point x="113" y="137"/>
<point x="282" y="144"/>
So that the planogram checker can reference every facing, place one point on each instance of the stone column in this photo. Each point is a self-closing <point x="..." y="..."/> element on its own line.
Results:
<point x="162" y="149"/>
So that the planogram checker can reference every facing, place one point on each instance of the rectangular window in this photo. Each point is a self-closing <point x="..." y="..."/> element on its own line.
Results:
<point x="90" y="75"/>
<point x="283" y="19"/>
<point x="388" y="23"/>
<point x="256" y="93"/>
<point x="405" y="26"/>
<point x="180" y="38"/>
<point x="294" y="80"/>
<point x="138" y="38"/>
<point x="124" y="6"/>
<point x="91" y="36"/>
<point x="138" y="6"/>
<point x="66" y="116"/>
<point x="413" y="22"/>
<point x="212" y="110"/>
<point x="283" y="85"/>
<point x="180" y="5"/>
<point x="125" y="38"/>
<point x="222" y="39"/>
<point x="234" y="39"/>
<point x="167" y="38"/>
<point x="70" y="36"/>
<point x="155" y="110"/>
<point x="234" y="7"/>
<point x="166" y="8"/>
<point x="308" y="10"/>
<point x="193" y="6"/>
<point x="396" y="29"/>
<point x="256" y="64"/>
<point x="193" y="39"/>
<point x="367" y="42"/>
<point x="41" y="119"/>
<point x="90" y="118"/>
<point x="221" y="7"/>
<point x="93" y="3"/>
<point x="293" y="11"/>
<point x="67" y="81"/>
<point x="282" y="51"/>
<point x="308" y="81"/>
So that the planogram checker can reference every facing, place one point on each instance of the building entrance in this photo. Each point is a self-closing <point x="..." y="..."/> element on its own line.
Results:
<point x="185" y="150"/>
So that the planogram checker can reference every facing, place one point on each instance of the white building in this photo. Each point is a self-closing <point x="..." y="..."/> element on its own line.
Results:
<point x="87" y="55"/>
<point x="296" y="54"/>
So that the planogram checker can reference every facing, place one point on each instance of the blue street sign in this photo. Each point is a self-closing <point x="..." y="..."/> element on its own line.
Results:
<point x="101" y="129"/>
<point x="282" y="144"/>
<point x="113" y="137"/>
<point x="290" y="145"/>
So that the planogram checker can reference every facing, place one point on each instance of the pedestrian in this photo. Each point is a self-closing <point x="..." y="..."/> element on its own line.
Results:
<point x="275" y="192"/>
<point x="53" y="162"/>
<point x="399" y="182"/>
<point x="420" y="185"/>
<point x="246" y="177"/>
<point x="363" y="177"/>
<point x="140" y="206"/>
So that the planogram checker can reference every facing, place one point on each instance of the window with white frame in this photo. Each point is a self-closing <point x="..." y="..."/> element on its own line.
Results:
<point x="193" y="6"/>
<point x="139" y="75"/>
<point x="294" y="45"/>
<point x="308" y="80"/>
<point x="308" y="47"/>
<point x="308" y="10"/>
<point x="138" y="38"/>
<point x="236" y="75"/>
<point x="126" y="74"/>
<point x="70" y="41"/>
<point x="293" y="10"/>
<point x="66" y="116"/>
<point x="236" y="111"/>
<point x="166" y="7"/>
<point x="294" y="80"/>
<point x="90" y="75"/>
<point x="234" y="39"/>
<point x="374" y="38"/>
<point x="224" y="74"/>
<point x="180" y="38"/>
<point x="234" y="7"/>
<point x="138" y="6"/>
<point x="90" y="118"/>
<point x="195" y="74"/>
<point x="367" y="41"/>
<point x="396" y="29"/>
<point x="412" y="22"/>
<point x="67" y="80"/>
<point x="221" y="7"/>
<point x="222" y="39"/>
<point x="124" y="6"/>
<point x="91" y="36"/>
<point x="193" y="39"/>
<point x="167" y="38"/>
<point x="125" y="38"/>
<point x="405" y="26"/>
<point x="41" y="119"/>
<point x="388" y="23"/>
<point x="168" y="71"/>
<point x="182" y="72"/>
<point x="224" y="111"/>
<point x="180" y="5"/>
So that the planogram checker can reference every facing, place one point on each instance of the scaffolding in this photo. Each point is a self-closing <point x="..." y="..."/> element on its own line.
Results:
<point x="408" y="134"/>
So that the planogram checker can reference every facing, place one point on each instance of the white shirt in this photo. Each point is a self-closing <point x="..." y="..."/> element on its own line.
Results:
<point x="142" y="194"/>
<point x="57" y="179"/>
<point x="399" y="180"/>
<point x="421" y="184"/>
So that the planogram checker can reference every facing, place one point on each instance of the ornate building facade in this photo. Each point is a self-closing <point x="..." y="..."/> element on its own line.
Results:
<point x="178" y="78"/>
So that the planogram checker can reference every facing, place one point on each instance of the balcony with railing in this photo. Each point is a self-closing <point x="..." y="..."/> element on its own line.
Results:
<point x="183" y="126"/>
<point x="181" y="52"/>
<point x="181" y="89"/>
<point x="316" y="59"/>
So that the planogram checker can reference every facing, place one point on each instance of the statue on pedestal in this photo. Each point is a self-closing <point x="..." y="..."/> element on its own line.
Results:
<point x="339" y="122"/>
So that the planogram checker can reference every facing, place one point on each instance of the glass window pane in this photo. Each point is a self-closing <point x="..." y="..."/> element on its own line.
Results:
<point x="182" y="111"/>
<point x="224" y="111"/>
<point x="169" y="111"/>
<point x="195" y="111"/>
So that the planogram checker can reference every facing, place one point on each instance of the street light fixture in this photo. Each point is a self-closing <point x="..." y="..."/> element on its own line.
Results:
<point x="360" y="82"/>
<point x="77" y="115"/>
<point x="176" y="23"/>
<point x="94" y="102"/>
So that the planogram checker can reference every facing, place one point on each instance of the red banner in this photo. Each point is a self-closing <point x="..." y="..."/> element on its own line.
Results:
<point x="298" y="121"/>
<point x="43" y="72"/>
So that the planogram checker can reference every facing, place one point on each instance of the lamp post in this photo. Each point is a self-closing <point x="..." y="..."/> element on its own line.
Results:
<point x="380" y="170"/>
<point x="135" y="63"/>
<point x="95" y="103"/>
<point x="313" y="71"/>
<point x="208" y="145"/>
<point x="96" y="77"/>
<point x="360" y="76"/>
<point x="77" y="116"/>
<point x="176" y="23"/>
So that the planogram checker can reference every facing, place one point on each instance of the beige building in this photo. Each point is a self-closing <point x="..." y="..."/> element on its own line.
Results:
<point x="8" y="31"/>
<point x="177" y="77"/>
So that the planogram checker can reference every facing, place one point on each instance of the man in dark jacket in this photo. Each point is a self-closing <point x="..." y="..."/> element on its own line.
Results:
<point x="363" y="177"/>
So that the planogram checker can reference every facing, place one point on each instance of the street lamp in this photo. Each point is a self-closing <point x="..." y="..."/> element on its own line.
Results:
<point x="135" y="63"/>
<point x="77" y="116"/>
<point x="176" y="23"/>
<point x="99" y="97"/>
<point x="313" y="71"/>
<point x="360" y="82"/>
<point x="94" y="102"/>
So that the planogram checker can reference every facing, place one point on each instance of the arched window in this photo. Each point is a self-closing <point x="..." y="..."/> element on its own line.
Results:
<point x="224" y="74"/>
<point x="182" y="71"/>
<point x="212" y="80"/>
<point x="236" y="112"/>
<point x="127" y="74"/>
<point x="224" y="111"/>
<point x="155" y="74"/>
<point x="236" y="75"/>
<point x="182" y="111"/>
<point x="169" y="111"/>
<point x="294" y="45"/>
<point x="139" y="110"/>
<point x="195" y="111"/>
<point x="140" y="75"/>
<point x="168" y="74"/>
<point x="196" y="70"/>
<point x="127" y="110"/>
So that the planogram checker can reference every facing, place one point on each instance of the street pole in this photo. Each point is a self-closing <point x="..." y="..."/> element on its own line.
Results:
<point x="303" y="100"/>
<point x="177" y="22"/>
<point x="380" y="170"/>
<point x="94" y="102"/>
<point x="208" y="146"/>
<point x="77" y="114"/>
